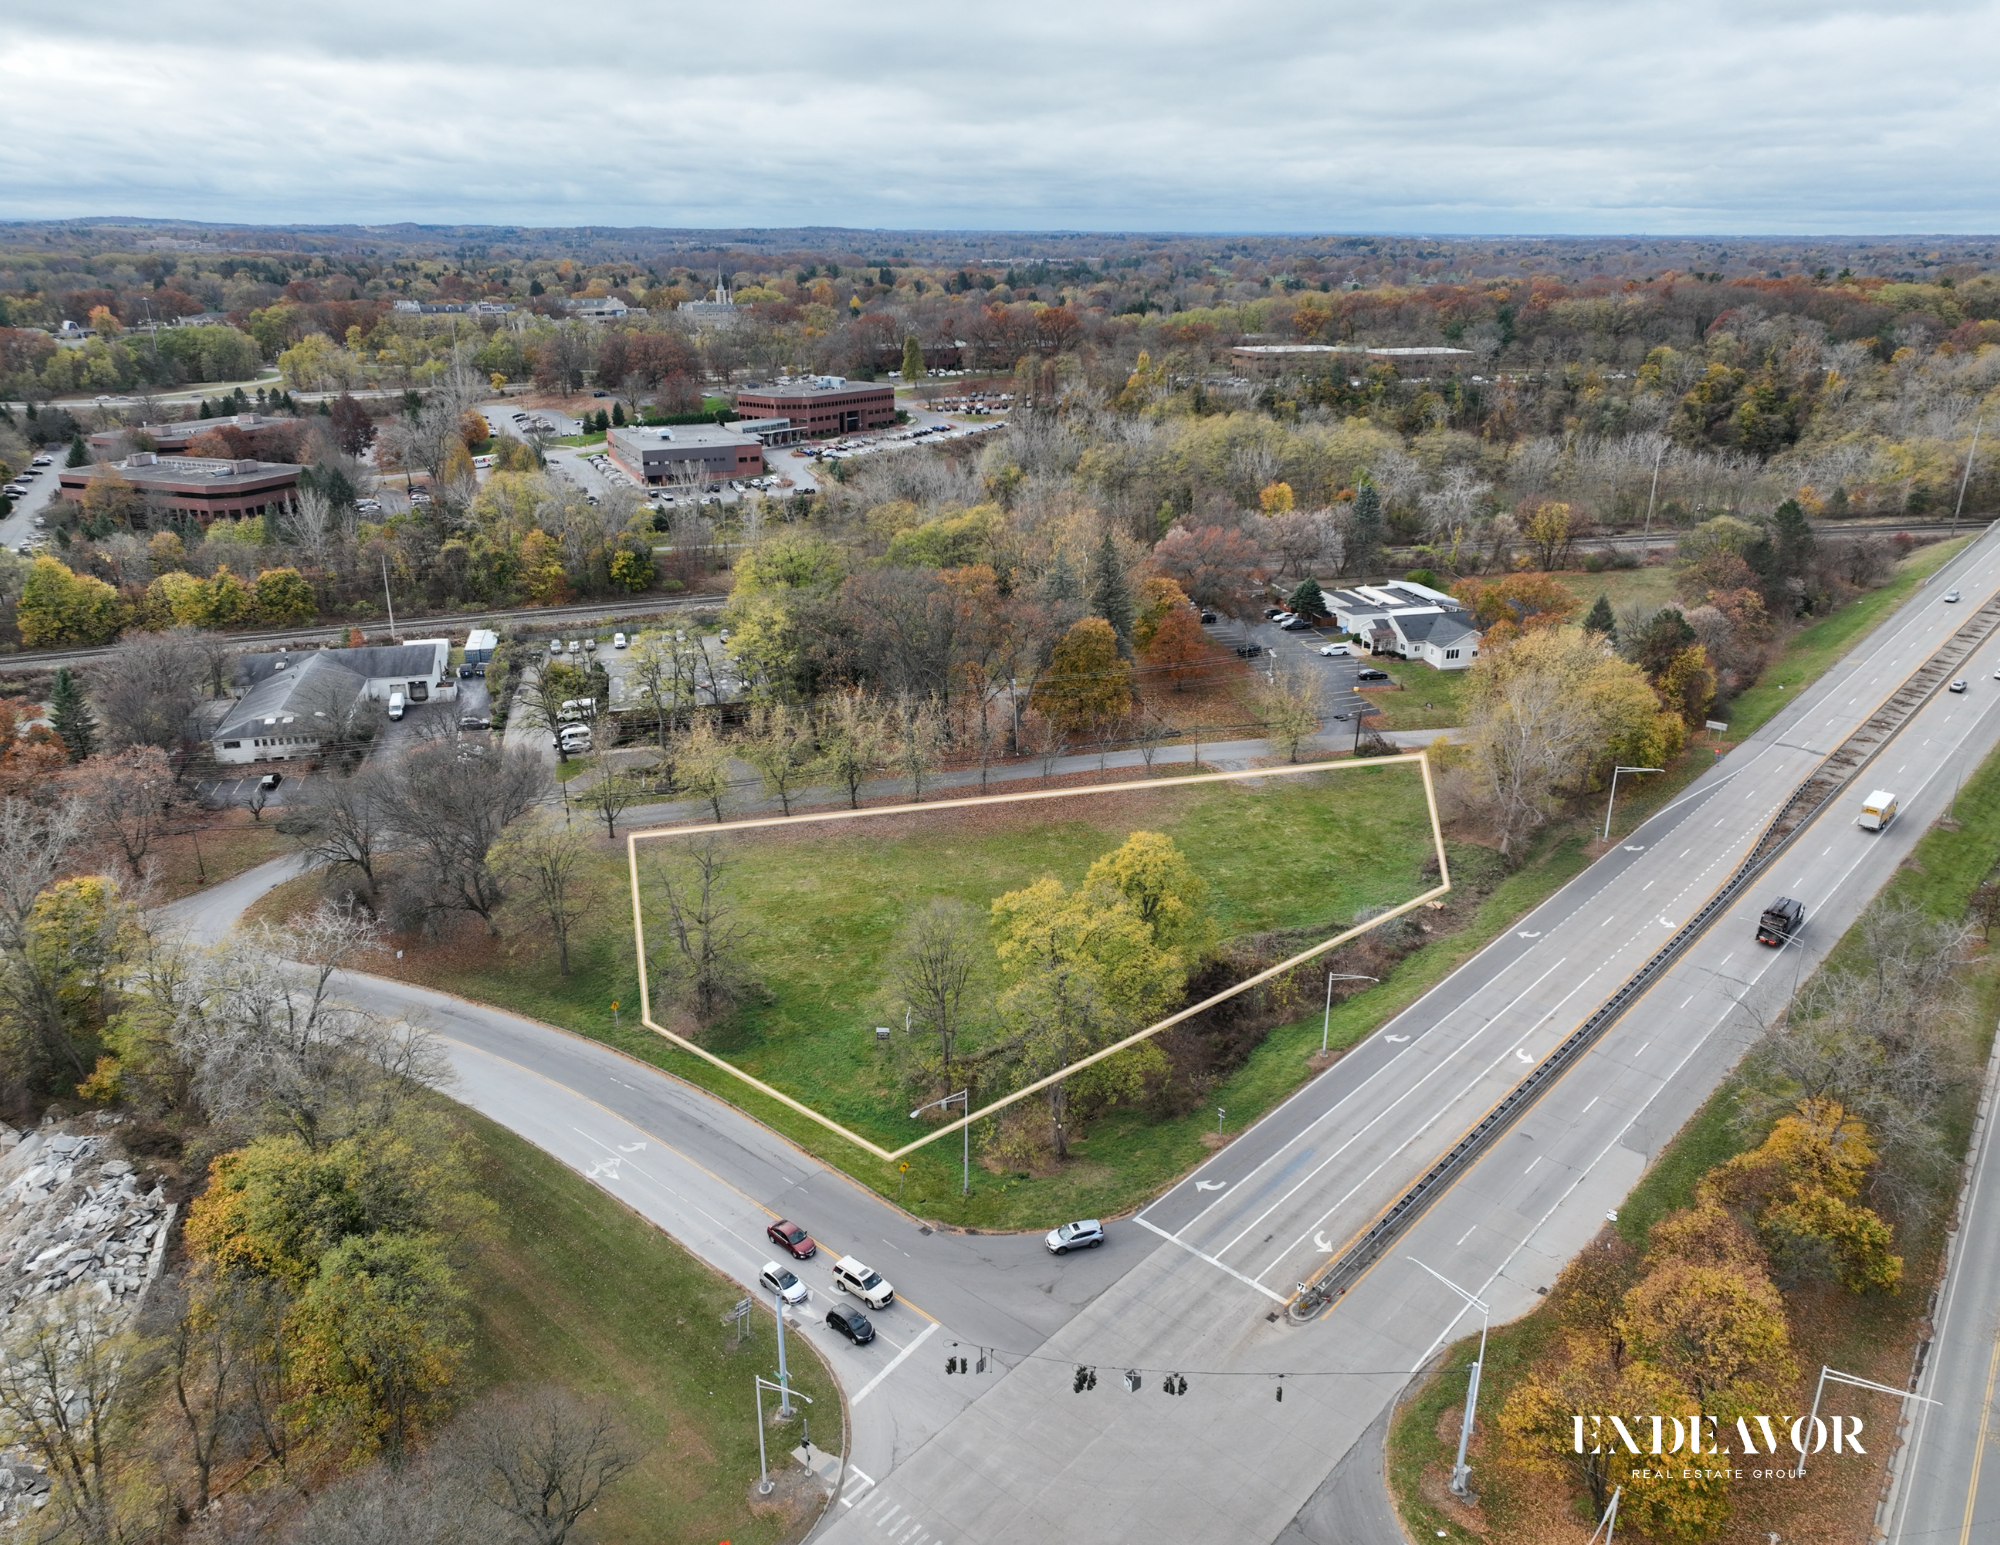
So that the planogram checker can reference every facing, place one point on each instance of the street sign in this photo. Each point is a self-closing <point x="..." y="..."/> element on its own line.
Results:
<point x="1718" y="726"/>
<point x="742" y="1307"/>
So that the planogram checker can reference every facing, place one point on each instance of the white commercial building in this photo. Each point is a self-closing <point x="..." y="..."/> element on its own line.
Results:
<point x="289" y="697"/>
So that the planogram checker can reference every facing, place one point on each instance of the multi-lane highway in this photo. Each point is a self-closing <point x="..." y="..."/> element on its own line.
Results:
<point x="1277" y="1432"/>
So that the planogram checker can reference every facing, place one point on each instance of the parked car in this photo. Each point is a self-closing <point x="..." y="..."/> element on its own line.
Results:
<point x="1208" y="619"/>
<point x="788" y="1236"/>
<point x="1086" y="1234"/>
<point x="591" y="642"/>
<point x="1369" y="673"/>
<point x="474" y="722"/>
<point x="618" y="641"/>
<point x="851" y="1323"/>
<point x="465" y="673"/>
<point x="575" y="647"/>
<point x="780" y="1280"/>
<point x="1296" y="624"/>
<point x="1337" y="650"/>
<point x="575" y="738"/>
<point x="575" y="709"/>
<point x="864" y="1282"/>
<point x="270" y="781"/>
<point x="1249" y="651"/>
<point x="1272" y="613"/>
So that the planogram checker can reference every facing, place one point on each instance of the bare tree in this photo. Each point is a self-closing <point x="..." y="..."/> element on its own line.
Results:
<point x="62" y="1397"/>
<point x="780" y="746"/>
<point x="342" y="824"/>
<point x="1290" y="707"/>
<point x="934" y="961"/>
<point x="38" y="843"/>
<point x="552" y="860"/>
<point x="448" y="802"/>
<point x="702" y="961"/>
<point x="543" y="1458"/>
<point x="853" y="741"/>
<point x="146" y="692"/>
<point x="610" y="794"/>
<point x="920" y="734"/>
<point x="125" y="798"/>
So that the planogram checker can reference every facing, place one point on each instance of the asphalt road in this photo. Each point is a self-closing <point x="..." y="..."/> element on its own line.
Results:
<point x="1945" y="1492"/>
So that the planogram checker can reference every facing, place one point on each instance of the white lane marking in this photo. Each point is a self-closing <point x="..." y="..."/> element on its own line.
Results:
<point x="1532" y="1163"/>
<point x="1593" y="1100"/>
<point x="1462" y="1238"/>
<point x="1276" y="1298"/>
<point x="1648" y="886"/>
<point x="1687" y="1000"/>
<point x="1436" y="1068"/>
<point x="855" y="1473"/>
<point x="894" y="1363"/>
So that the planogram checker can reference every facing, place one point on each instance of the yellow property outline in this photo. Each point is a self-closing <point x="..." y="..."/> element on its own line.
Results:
<point x="633" y="839"/>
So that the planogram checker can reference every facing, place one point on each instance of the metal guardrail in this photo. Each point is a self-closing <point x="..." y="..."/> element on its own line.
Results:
<point x="1812" y="796"/>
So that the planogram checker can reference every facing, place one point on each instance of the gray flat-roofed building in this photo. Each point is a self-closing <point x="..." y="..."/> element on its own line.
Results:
<point x="666" y="454"/>
<point x="1276" y="359"/>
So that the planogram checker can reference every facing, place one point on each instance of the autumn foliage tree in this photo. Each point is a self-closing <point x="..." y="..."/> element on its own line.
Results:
<point x="1213" y="565"/>
<point x="1087" y="683"/>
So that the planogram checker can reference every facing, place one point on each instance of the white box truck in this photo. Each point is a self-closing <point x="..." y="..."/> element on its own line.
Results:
<point x="396" y="704"/>
<point x="1877" y="811"/>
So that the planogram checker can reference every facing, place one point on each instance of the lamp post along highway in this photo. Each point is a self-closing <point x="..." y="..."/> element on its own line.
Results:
<point x="965" y="1132"/>
<point x="1461" y="1473"/>
<point x="764" y="1481"/>
<point x="1326" y="1025"/>
<point x="1613" y="800"/>
<point x="784" y="1377"/>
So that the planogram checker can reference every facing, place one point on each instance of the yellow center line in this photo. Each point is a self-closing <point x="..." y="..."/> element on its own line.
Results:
<point x="1979" y="1447"/>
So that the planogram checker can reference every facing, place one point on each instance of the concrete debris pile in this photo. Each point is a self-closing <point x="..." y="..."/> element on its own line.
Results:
<point x="71" y="1215"/>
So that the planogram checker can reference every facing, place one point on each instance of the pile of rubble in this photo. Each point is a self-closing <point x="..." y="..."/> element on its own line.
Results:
<point x="71" y="1214"/>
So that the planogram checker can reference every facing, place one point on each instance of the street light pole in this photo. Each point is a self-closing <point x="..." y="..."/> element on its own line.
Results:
<point x="784" y="1378"/>
<point x="1461" y="1473"/>
<point x="1967" y="478"/>
<point x="965" y="1185"/>
<point x="1614" y="793"/>
<point x="1326" y="1025"/>
<point x="764" y="1482"/>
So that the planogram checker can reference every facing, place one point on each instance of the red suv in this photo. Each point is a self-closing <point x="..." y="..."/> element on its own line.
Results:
<point x="790" y="1237"/>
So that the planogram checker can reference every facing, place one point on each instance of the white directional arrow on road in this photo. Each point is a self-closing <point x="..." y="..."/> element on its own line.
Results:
<point x="1395" y="1037"/>
<point x="1522" y="1053"/>
<point x="630" y="1147"/>
<point x="1322" y="1244"/>
<point x="1528" y="936"/>
<point x="1210" y="1185"/>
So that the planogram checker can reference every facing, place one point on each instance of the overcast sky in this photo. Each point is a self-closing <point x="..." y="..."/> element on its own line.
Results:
<point x="1447" y="116"/>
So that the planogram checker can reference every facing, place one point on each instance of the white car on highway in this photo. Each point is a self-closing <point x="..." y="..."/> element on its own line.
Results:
<point x="784" y="1282"/>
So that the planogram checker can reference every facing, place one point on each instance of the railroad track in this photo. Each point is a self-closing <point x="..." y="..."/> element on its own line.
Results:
<point x="1834" y="774"/>
<point x="555" y="616"/>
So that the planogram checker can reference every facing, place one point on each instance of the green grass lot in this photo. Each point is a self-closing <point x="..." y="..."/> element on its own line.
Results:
<point x="211" y="849"/>
<point x="1812" y="649"/>
<point x="1622" y="587"/>
<point x="576" y="1290"/>
<point x="1875" y="1336"/>
<point x="1429" y="699"/>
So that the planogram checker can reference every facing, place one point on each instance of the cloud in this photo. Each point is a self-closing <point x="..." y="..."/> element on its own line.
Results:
<point x="1438" y="115"/>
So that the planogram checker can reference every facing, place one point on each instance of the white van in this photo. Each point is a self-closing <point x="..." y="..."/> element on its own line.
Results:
<point x="396" y="705"/>
<point x="574" y="738"/>
<point x="1877" y="811"/>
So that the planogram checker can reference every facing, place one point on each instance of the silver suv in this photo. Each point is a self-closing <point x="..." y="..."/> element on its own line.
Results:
<point x="1086" y="1234"/>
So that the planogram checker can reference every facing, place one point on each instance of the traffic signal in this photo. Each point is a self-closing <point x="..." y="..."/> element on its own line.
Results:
<point x="1174" y="1384"/>
<point x="951" y="1365"/>
<point x="1086" y="1378"/>
<point x="1281" y="1389"/>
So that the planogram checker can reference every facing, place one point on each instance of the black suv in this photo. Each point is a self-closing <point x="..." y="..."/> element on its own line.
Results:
<point x="852" y="1324"/>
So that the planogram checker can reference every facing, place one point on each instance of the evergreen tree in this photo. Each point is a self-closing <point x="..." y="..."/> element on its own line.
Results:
<point x="1058" y="584"/>
<point x="1599" y="619"/>
<point x="1792" y="541"/>
<point x="207" y="409"/>
<point x="1307" y="599"/>
<point x="1110" y="592"/>
<point x="70" y="717"/>
<point x="603" y="422"/>
<point x="913" y="359"/>
<point x="78" y="455"/>
<point x="1365" y="535"/>
<point x="618" y="414"/>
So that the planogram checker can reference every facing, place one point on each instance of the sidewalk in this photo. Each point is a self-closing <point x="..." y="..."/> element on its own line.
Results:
<point x="746" y="797"/>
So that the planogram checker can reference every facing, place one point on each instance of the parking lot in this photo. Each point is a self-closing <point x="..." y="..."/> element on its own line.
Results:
<point x="1341" y="701"/>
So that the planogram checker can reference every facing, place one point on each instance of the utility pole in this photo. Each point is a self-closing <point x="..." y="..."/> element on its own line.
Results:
<point x="1645" y="540"/>
<point x="1967" y="477"/>
<point x="1461" y="1473"/>
<point x="965" y="1132"/>
<point x="388" y="597"/>
<point x="764" y="1481"/>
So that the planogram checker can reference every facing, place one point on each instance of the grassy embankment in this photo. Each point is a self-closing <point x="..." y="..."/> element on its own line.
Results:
<point x="576" y="1290"/>
<point x="211" y="849"/>
<point x="1874" y="1336"/>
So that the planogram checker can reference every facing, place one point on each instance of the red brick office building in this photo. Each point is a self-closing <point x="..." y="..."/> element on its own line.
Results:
<point x="827" y="405"/>
<point x="202" y="486"/>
